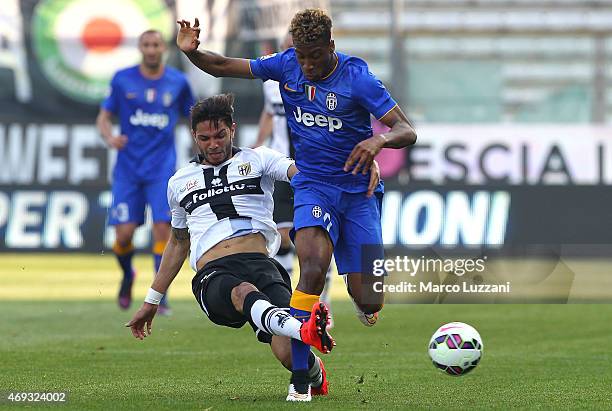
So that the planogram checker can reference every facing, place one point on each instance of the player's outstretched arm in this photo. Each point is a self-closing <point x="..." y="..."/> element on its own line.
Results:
<point x="401" y="135"/>
<point x="174" y="255"/>
<point x="214" y="64"/>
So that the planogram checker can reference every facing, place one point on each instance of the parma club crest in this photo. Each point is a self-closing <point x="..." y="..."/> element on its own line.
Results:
<point x="244" y="169"/>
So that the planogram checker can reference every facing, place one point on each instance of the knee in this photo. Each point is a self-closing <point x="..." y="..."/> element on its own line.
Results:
<point x="239" y="293"/>
<point x="123" y="239"/>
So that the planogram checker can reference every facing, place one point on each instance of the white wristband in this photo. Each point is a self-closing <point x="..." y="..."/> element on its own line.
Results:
<point x="384" y="138"/>
<point x="153" y="297"/>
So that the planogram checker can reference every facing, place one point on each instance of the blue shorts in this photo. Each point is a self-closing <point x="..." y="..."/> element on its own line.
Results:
<point x="130" y="198"/>
<point x="351" y="219"/>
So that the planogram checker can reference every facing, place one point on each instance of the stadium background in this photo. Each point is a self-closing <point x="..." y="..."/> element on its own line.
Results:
<point x="511" y="100"/>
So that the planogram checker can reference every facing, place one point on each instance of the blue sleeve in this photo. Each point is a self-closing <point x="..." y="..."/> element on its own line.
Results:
<point x="111" y="102"/>
<point x="267" y="67"/>
<point x="371" y="94"/>
<point x="186" y="100"/>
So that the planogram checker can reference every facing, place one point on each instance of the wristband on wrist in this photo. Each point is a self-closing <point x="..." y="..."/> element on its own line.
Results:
<point x="384" y="138"/>
<point x="153" y="297"/>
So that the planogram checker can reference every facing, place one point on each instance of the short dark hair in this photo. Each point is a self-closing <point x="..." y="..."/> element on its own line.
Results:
<point x="216" y="108"/>
<point x="310" y="26"/>
<point x="150" y="31"/>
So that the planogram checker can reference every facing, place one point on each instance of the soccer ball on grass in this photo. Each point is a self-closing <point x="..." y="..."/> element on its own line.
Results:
<point x="456" y="348"/>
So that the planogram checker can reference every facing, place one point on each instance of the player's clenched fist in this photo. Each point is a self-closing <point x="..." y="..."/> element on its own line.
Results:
<point x="187" y="37"/>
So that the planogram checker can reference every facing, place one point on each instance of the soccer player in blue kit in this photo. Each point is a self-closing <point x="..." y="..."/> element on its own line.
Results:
<point x="148" y="99"/>
<point x="328" y="97"/>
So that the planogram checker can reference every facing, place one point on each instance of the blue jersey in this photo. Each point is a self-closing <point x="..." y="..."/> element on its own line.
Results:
<point x="148" y="111"/>
<point x="329" y="117"/>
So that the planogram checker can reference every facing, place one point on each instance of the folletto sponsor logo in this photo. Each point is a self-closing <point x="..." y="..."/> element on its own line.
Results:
<point x="203" y="195"/>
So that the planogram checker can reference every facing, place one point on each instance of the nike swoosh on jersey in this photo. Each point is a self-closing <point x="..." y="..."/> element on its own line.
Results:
<point x="286" y="87"/>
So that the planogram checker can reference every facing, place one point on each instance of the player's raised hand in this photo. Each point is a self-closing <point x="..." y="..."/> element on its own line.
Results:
<point x="142" y="321"/>
<point x="363" y="154"/>
<point x="374" y="178"/>
<point x="187" y="37"/>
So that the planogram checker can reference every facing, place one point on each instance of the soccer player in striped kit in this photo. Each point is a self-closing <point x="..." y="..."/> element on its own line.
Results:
<point x="222" y="217"/>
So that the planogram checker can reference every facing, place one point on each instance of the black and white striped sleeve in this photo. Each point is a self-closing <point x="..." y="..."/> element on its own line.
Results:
<point x="179" y="215"/>
<point x="275" y="164"/>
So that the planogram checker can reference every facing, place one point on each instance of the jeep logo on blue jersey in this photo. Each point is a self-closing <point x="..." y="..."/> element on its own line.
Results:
<point x="309" y="120"/>
<point x="140" y="118"/>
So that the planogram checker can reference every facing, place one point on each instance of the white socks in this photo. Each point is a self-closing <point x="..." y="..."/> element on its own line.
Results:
<point x="274" y="320"/>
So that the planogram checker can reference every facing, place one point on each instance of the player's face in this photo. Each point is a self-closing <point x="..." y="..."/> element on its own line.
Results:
<point x="152" y="47"/>
<point x="214" y="143"/>
<point x="316" y="60"/>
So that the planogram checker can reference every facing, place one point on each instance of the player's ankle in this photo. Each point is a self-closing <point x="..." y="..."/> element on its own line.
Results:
<point x="314" y="371"/>
<point x="300" y="380"/>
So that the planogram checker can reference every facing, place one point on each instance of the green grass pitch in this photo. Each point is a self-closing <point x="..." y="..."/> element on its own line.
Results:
<point x="60" y="331"/>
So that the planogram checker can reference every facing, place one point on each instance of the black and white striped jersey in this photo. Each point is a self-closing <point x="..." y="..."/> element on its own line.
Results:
<point x="229" y="200"/>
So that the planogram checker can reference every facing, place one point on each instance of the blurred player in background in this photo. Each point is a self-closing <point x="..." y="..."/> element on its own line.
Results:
<point x="147" y="99"/>
<point x="222" y="210"/>
<point x="330" y="96"/>
<point x="273" y="124"/>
